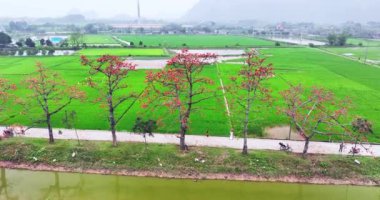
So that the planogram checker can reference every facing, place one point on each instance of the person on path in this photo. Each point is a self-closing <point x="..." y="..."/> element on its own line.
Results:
<point x="341" y="147"/>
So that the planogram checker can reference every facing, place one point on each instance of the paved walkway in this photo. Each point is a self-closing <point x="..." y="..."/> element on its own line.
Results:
<point x="191" y="140"/>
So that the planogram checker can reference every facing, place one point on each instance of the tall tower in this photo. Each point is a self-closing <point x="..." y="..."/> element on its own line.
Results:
<point x="138" y="12"/>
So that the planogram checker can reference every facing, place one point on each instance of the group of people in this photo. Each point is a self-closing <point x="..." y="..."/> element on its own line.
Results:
<point x="11" y="131"/>
<point x="354" y="150"/>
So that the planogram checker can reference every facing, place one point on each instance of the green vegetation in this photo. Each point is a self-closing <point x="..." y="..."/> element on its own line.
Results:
<point x="337" y="40"/>
<point x="91" y="115"/>
<point x="373" y="53"/>
<point x="312" y="67"/>
<point x="364" y="42"/>
<point x="307" y="66"/>
<point x="5" y="39"/>
<point x="166" y="158"/>
<point x="196" y="41"/>
<point x="99" y="39"/>
<point x="123" y="52"/>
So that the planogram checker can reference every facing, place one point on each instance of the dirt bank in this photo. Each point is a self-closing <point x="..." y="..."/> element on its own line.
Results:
<point x="192" y="176"/>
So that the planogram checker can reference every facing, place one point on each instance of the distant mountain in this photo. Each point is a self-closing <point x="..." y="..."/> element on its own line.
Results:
<point x="319" y="11"/>
<point x="68" y="19"/>
<point x="88" y="14"/>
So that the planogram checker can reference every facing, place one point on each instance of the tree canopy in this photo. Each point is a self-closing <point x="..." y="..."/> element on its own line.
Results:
<point x="5" y="39"/>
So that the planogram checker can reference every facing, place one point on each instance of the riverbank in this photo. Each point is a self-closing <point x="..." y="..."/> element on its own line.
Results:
<point x="165" y="161"/>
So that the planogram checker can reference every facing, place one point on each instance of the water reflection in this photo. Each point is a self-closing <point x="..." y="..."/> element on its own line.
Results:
<point x="20" y="185"/>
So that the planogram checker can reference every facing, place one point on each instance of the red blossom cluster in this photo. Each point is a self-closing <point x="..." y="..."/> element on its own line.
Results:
<point x="167" y="83"/>
<point x="109" y="65"/>
<point x="180" y="86"/>
<point x="314" y="112"/>
<point x="5" y="87"/>
<point x="191" y="60"/>
<point x="253" y="72"/>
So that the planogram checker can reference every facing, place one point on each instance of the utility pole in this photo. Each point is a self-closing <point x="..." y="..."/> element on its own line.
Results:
<point x="138" y="12"/>
<point x="366" y="53"/>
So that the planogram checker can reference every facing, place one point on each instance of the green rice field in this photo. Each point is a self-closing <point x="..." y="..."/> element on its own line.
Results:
<point x="311" y="67"/>
<point x="197" y="41"/>
<point x="372" y="53"/>
<point x="308" y="66"/>
<point x="91" y="115"/>
<point x="123" y="52"/>
<point x="364" y="42"/>
<point x="99" y="39"/>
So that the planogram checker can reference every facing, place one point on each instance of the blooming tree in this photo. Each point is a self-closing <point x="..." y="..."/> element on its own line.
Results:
<point x="248" y="88"/>
<point x="5" y="88"/>
<point x="52" y="94"/>
<point x="181" y="86"/>
<point x="114" y="74"/>
<point x="317" y="112"/>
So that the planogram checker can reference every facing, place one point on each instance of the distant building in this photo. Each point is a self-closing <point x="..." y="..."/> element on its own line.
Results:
<point x="134" y="26"/>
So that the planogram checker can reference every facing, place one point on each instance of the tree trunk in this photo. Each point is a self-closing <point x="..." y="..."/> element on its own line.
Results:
<point x="182" y="144"/>
<point x="114" y="138"/>
<point x="112" y="120"/>
<point x="290" y="131"/>
<point x="113" y="128"/>
<point x="246" y="124"/>
<point x="306" y="147"/>
<point x="50" y="128"/>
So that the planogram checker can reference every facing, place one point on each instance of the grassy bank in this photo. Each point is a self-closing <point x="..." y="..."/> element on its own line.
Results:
<point x="159" y="159"/>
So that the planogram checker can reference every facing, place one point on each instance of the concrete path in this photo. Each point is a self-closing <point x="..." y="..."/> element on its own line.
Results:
<point x="191" y="140"/>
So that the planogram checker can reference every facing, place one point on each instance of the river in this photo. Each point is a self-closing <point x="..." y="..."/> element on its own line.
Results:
<point x="28" y="185"/>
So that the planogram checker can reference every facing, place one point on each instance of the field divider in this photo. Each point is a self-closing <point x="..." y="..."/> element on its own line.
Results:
<point x="232" y="134"/>
<point x="348" y="58"/>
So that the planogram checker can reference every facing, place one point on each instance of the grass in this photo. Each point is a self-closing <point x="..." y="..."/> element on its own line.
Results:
<point x="197" y="41"/>
<point x="90" y="115"/>
<point x="123" y="52"/>
<point x="364" y="42"/>
<point x="373" y="53"/>
<point x="134" y="157"/>
<point x="99" y="39"/>
<point x="312" y="67"/>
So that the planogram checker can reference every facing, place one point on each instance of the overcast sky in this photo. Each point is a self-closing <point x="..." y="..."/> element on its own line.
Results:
<point x="159" y="9"/>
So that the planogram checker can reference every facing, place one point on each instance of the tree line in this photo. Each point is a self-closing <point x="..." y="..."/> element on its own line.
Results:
<point x="337" y="39"/>
<point x="181" y="87"/>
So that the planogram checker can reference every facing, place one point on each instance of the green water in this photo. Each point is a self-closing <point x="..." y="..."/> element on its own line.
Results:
<point x="20" y="185"/>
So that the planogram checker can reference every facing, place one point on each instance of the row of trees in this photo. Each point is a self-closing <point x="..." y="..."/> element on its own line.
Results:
<point x="337" y="39"/>
<point x="28" y="43"/>
<point x="181" y="87"/>
<point x="5" y="39"/>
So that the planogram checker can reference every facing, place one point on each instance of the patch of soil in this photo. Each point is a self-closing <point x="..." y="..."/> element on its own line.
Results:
<point x="281" y="133"/>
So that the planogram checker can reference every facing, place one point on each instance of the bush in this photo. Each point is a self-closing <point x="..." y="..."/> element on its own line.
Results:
<point x="277" y="44"/>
